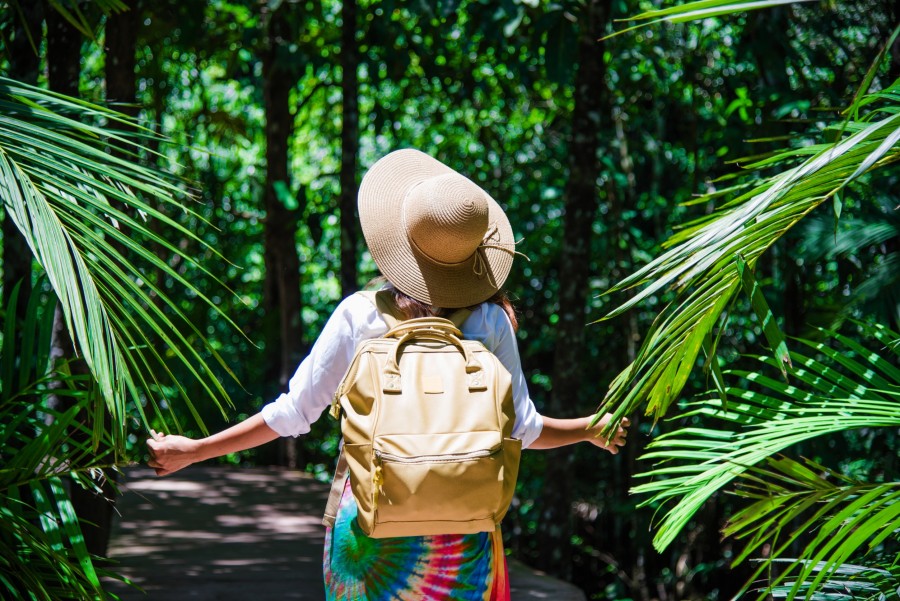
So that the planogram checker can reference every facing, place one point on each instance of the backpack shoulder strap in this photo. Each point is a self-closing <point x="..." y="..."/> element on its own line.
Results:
<point x="337" y="489"/>
<point x="384" y="303"/>
<point x="459" y="316"/>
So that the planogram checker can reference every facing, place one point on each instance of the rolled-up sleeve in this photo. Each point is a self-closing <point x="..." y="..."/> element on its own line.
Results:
<point x="313" y="384"/>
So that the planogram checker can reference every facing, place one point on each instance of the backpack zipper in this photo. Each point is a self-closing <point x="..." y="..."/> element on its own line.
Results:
<point x="382" y="456"/>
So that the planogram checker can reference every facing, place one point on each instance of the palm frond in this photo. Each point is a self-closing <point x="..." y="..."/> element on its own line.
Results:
<point x="43" y="555"/>
<point x="843" y="519"/>
<point x="701" y="264"/>
<point x="878" y="581"/>
<point x="834" y="390"/>
<point x="71" y="12"/>
<point x="74" y="203"/>
<point x="704" y="9"/>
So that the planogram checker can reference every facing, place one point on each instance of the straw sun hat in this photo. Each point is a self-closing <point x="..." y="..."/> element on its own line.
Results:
<point x="433" y="233"/>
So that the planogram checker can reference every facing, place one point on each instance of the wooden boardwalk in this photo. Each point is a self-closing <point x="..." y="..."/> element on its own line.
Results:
<point x="237" y="534"/>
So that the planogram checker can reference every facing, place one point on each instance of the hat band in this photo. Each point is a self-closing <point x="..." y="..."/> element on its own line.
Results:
<point x="480" y="264"/>
<point x="431" y="259"/>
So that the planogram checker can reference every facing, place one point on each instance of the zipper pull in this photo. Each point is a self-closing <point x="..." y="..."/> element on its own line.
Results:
<point x="377" y="480"/>
<point x="335" y="410"/>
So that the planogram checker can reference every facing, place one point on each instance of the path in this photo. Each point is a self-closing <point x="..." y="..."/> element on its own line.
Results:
<point x="236" y="534"/>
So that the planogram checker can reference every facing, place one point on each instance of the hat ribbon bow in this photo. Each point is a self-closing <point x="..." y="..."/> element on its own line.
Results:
<point x="479" y="266"/>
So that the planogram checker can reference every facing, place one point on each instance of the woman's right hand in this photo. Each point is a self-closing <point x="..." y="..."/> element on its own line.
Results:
<point x="170" y="452"/>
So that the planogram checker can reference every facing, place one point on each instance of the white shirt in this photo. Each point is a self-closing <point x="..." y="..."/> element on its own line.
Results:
<point x="313" y="385"/>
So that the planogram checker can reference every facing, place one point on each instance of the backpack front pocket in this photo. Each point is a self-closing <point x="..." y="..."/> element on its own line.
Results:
<point x="462" y="482"/>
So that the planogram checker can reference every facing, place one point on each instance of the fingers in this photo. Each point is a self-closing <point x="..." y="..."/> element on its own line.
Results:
<point x="153" y="443"/>
<point x="158" y="467"/>
<point x="619" y="439"/>
<point x="613" y="447"/>
<point x="155" y="446"/>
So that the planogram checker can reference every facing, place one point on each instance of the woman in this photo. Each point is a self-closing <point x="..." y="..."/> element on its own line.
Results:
<point x="441" y="243"/>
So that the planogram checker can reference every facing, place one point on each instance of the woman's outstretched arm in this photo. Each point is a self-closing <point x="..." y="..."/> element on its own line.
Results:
<point x="562" y="432"/>
<point x="170" y="453"/>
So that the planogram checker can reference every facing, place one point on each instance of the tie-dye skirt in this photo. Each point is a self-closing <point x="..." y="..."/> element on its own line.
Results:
<point x="465" y="567"/>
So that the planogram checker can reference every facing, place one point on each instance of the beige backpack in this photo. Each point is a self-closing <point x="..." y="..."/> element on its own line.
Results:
<point x="427" y="420"/>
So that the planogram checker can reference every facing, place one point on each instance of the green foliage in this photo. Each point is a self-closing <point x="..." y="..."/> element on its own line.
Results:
<point x="839" y="389"/>
<point x="863" y="242"/>
<point x="847" y="516"/>
<point x="88" y="217"/>
<point x="42" y="551"/>
<point x="703" y="9"/>
<point x="80" y="210"/>
<point x="701" y="262"/>
<point x="772" y="421"/>
<point x="848" y="581"/>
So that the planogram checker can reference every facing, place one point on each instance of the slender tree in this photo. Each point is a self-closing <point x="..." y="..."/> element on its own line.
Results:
<point x="349" y="146"/>
<point x="281" y="289"/>
<point x="119" y="47"/>
<point x="24" y="63"/>
<point x="582" y="198"/>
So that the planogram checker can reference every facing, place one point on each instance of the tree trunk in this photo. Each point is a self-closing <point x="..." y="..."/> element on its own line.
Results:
<point x="94" y="510"/>
<point x="349" y="147"/>
<point x="120" y="48"/>
<point x="63" y="54"/>
<point x="24" y="63"/>
<point x="581" y="203"/>
<point x="281" y="288"/>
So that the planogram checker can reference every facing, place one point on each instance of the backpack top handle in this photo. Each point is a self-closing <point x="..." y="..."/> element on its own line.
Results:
<point x="427" y="328"/>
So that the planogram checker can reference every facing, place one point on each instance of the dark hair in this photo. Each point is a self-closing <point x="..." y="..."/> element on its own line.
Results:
<point x="413" y="308"/>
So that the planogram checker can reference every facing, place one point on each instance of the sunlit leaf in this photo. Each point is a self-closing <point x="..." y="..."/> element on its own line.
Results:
<point x="701" y="265"/>
<point x="769" y="417"/>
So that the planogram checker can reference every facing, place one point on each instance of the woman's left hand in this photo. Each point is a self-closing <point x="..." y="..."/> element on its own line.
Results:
<point x="170" y="453"/>
<point x="613" y="443"/>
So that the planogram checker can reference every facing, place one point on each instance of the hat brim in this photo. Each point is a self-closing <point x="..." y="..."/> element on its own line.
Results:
<point x="381" y="196"/>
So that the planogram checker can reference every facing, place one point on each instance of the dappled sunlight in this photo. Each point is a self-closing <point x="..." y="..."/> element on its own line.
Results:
<point x="165" y="485"/>
<point x="232" y="534"/>
<point x="220" y="533"/>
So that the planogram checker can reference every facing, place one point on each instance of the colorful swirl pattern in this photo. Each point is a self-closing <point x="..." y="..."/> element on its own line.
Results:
<point x="464" y="567"/>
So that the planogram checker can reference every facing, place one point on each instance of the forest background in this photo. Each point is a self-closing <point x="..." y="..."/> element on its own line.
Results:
<point x="215" y="212"/>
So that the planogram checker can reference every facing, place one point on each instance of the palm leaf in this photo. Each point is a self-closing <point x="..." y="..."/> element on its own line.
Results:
<point x="704" y="9"/>
<point x="879" y="581"/>
<point x="701" y="264"/>
<point x="43" y="555"/>
<point x="70" y="200"/>
<point x="834" y="389"/>
<point x="72" y="13"/>
<point x="843" y="518"/>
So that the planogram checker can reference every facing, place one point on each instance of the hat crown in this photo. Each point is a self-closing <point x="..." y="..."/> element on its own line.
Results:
<point x="446" y="217"/>
<point x="427" y="228"/>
